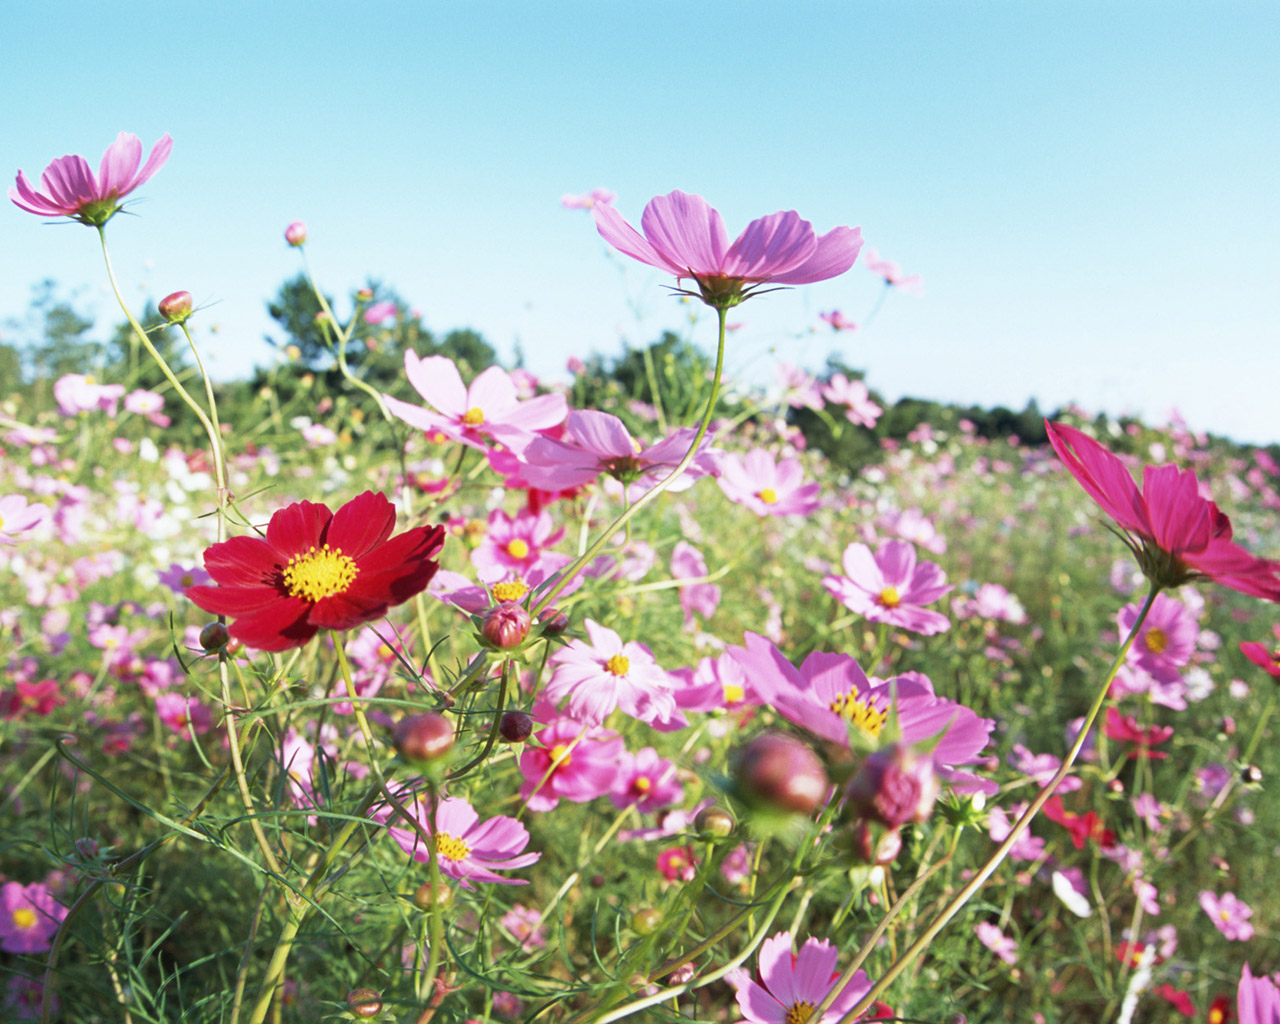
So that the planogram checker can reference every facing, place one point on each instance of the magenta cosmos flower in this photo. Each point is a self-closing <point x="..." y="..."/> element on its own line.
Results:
<point x="1257" y="999"/>
<point x="490" y="408"/>
<point x="71" y="190"/>
<point x="685" y="236"/>
<point x="1176" y="535"/>
<point x="767" y="487"/>
<point x="514" y="545"/>
<point x="572" y="762"/>
<point x="604" y="674"/>
<point x="1167" y="638"/>
<point x="467" y="848"/>
<point x="16" y="516"/>
<point x="891" y="586"/>
<point x="788" y="986"/>
<point x="29" y="917"/>
<point x="1229" y="914"/>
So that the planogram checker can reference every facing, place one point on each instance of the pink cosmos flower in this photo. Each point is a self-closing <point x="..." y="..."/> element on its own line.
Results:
<point x="604" y="674"/>
<point x="1229" y="914"/>
<point x="990" y="601"/>
<point x="855" y="397"/>
<point x="489" y="408"/>
<point x="184" y="715"/>
<point x="892" y="273"/>
<point x="913" y="525"/>
<point x="996" y="941"/>
<point x="143" y="403"/>
<point x="767" y="487"/>
<point x="837" y="321"/>
<point x="73" y="191"/>
<point x="29" y="917"/>
<point x="1176" y="535"/>
<point x="1167" y="638"/>
<point x="799" y="390"/>
<point x="787" y="987"/>
<point x="685" y="236"/>
<point x="678" y="864"/>
<point x="526" y="925"/>
<point x="1000" y="824"/>
<point x="587" y="200"/>
<point x="646" y="781"/>
<point x="1257" y="999"/>
<point x="513" y="545"/>
<point x="1260" y="654"/>
<point x="572" y="762"/>
<point x="77" y="392"/>
<point x="703" y="598"/>
<point x="467" y="848"/>
<point x="712" y="685"/>
<point x="16" y="517"/>
<point x="596" y="443"/>
<point x="891" y="587"/>
<point x="380" y="312"/>
<point x="1125" y="728"/>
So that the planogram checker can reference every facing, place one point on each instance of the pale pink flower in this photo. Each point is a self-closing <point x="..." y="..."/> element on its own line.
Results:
<point x="703" y="598"/>
<point x="78" y="392"/>
<point x="143" y="403"/>
<point x="513" y="545"/>
<point x="1229" y="914"/>
<point x="381" y="312"/>
<point x="855" y="397"/>
<point x="646" y="781"/>
<point x="296" y="233"/>
<point x="317" y="435"/>
<point x="685" y="236"/>
<point x="467" y="848"/>
<point x="990" y="601"/>
<point x="1167" y="638"/>
<point x="16" y="517"/>
<point x="1257" y="999"/>
<point x="1000" y="825"/>
<point x="791" y="985"/>
<point x="892" y="273"/>
<point x="714" y="684"/>
<point x="767" y="487"/>
<point x="526" y="925"/>
<point x="799" y="389"/>
<point x="586" y="200"/>
<point x="837" y="321"/>
<point x="913" y="525"/>
<point x="71" y="190"/>
<point x="604" y="673"/>
<point x="996" y="941"/>
<point x="891" y="586"/>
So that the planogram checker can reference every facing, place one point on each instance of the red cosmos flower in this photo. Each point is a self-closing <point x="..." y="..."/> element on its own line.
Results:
<point x="1176" y="534"/>
<point x="317" y="570"/>
<point x="1262" y="656"/>
<point x="1126" y="729"/>
<point x="1219" y="1011"/>
<point x="1082" y="827"/>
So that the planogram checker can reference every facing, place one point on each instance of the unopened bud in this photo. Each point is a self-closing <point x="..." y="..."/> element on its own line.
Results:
<point x="421" y="739"/>
<point x="1251" y="775"/>
<point x="429" y="895"/>
<point x="364" y="294"/>
<point x="214" y="637"/>
<point x="778" y="771"/>
<point x="873" y="844"/>
<point x="176" y="307"/>
<point x="714" y="823"/>
<point x="646" y="921"/>
<point x="515" y="726"/>
<point x="364" y="1003"/>
<point x="553" y="621"/>
<point x="894" y="786"/>
<point x="1228" y="726"/>
<point x="506" y="625"/>
<point x="296" y="233"/>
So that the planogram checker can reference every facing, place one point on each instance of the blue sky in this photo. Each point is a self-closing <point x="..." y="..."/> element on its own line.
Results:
<point x="1088" y="189"/>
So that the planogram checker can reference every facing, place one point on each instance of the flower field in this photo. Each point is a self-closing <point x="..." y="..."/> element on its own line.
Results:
<point x="402" y="688"/>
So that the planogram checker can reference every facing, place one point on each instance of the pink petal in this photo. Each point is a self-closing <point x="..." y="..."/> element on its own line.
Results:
<point x="835" y="253"/>
<point x="770" y="246"/>
<point x="119" y="164"/>
<point x="437" y="380"/>
<point x="687" y="231"/>
<point x="623" y="237"/>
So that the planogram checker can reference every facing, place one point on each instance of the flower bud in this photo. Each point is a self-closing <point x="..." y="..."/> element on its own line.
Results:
<point x="873" y="844"/>
<point x="894" y="786"/>
<point x="1251" y="775"/>
<point x="364" y="1003"/>
<point x="515" y="726"/>
<point x="214" y="637"/>
<point x="421" y="739"/>
<point x="428" y="895"/>
<point x="296" y="233"/>
<point x="646" y="921"/>
<point x="1115" y="787"/>
<point x="553" y="621"/>
<point x="714" y="823"/>
<point x="506" y="625"/>
<point x="364" y="295"/>
<point x="176" y="307"/>
<point x="779" y="771"/>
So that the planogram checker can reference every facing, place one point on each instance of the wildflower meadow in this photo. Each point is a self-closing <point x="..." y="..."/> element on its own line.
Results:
<point x="398" y="685"/>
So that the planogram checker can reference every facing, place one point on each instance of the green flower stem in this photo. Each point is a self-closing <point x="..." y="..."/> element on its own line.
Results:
<point x="1023" y="823"/>
<point x="601" y="843"/>
<point x="219" y="453"/>
<point x="492" y="738"/>
<point x="242" y="783"/>
<point x="650" y="495"/>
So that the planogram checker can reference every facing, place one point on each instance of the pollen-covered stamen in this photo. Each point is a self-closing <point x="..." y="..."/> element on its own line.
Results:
<point x="473" y="417"/>
<point x="889" y="597"/>
<point x="560" y="755"/>
<point x="319" y="573"/>
<point x="861" y="711"/>
<point x="450" y="847"/>
<point x="642" y="784"/>
<point x="768" y="495"/>
<point x="618" y="665"/>
<point x="798" y="1012"/>
<point x="1156" y="640"/>
<point x="733" y="693"/>
<point x="24" y="918"/>
<point x="510" y="590"/>
<point x="518" y="547"/>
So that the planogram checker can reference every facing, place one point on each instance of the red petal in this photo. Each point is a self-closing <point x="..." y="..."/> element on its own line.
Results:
<point x="297" y="528"/>
<point x="240" y="561"/>
<point x="361" y="525"/>
<point x="277" y="627"/>
<point x="234" y="601"/>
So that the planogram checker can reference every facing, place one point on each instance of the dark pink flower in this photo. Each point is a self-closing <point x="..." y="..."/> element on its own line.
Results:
<point x="467" y="848"/>
<point x="685" y="236"/>
<point x="71" y="190"/>
<point x="646" y="781"/>
<point x="29" y="917"/>
<point x="1176" y="535"/>
<point x="571" y="761"/>
<point x="1262" y="656"/>
<point x="891" y="586"/>
<point x="1125" y="728"/>
<point x="678" y="864"/>
<point x="787" y="986"/>
<point x="513" y="545"/>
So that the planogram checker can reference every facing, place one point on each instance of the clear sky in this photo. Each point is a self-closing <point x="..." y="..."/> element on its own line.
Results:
<point x="1089" y="190"/>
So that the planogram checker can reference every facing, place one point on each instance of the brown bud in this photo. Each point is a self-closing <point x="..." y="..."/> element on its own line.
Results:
<point x="423" y="738"/>
<point x="778" y="771"/>
<point x="214" y="636"/>
<point x="364" y="1003"/>
<point x="176" y="307"/>
<point x="515" y="726"/>
<point x="714" y="823"/>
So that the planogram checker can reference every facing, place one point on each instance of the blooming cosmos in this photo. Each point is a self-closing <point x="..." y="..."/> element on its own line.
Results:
<point x="855" y="397"/>
<point x="573" y="762"/>
<point x="16" y="516"/>
<point x="892" y="273"/>
<point x="29" y="917"/>
<point x="995" y="940"/>
<point x="1176" y="535"/>
<point x="467" y="848"/>
<point x="1257" y="999"/>
<point x="604" y="673"/>
<point x="71" y="190"/>
<point x="767" y="487"/>
<point x="891" y="586"/>
<point x="685" y="235"/>
<point x="1229" y="914"/>
<point x="787" y="987"/>
<point x="315" y="570"/>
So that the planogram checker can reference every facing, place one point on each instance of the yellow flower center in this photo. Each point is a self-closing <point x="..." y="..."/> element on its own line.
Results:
<point x="511" y="590"/>
<point x="473" y="418"/>
<point x="768" y="495"/>
<point x="862" y="712"/>
<point x="560" y="755"/>
<point x="24" y="918"/>
<point x="1157" y="640"/>
<point x="450" y="847"/>
<point x="618" y="665"/>
<point x="889" y="597"/>
<point x="518" y="548"/>
<point x="642" y="784"/>
<point x="1" y="524"/>
<point x="385" y="653"/>
<point x="319" y="573"/>
<point x="798" y="1013"/>
<point x="733" y="693"/>
<point x="90" y="379"/>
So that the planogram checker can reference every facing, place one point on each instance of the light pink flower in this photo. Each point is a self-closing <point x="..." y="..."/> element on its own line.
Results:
<point x="837" y="321"/>
<point x="143" y="403"/>
<point x="571" y="761"/>
<point x="767" y="487"/>
<point x="1257" y="999"/>
<point x="489" y="408"/>
<point x="16" y="517"/>
<point x="790" y="986"/>
<point x="1167" y="638"/>
<point x="78" y="392"/>
<point x="467" y="848"/>
<point x="855" y="397"/>
<point x="513" y="545"/>
<point x="996" y="941"/>
<point x="71" y="190"/>
<point x="891" y="586"/>
<point x="317" y="435"/>
<point x="892" y="273"/>
<point x="380" y="312"/>
<point x="646" y="781"/>
<point x="990" y="601"/>
<point x="685" y="236"/>
<point x="586" y="200"/>
<point x="799" y="389"/>
<point x="526" y="925"/>
<point x="703" y="598"/>
<point x="712" y="685"/>
<point x="1229" y="914"/>
<point x="604" y="674"/>
<point x="184" y="715"/>
<point x="29" y="917"/>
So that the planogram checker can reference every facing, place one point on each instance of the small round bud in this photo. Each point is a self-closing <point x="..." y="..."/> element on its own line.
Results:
<point x="506" y="625"/>
<point x="1251" y="775"/>
<point x="1228" y="726"/>
<point x="894" y="786"/>
<point x="428" y="895"/>
<point x="778" y="771"/>
<point x="1115" y="787"/>
<point x="296" y="233"/>
<point x="421" y="739"/>
<point x="714" y="823"/>
<point x="553" y="621"/>
<point x="364" y="1003"/>
<point x="364" y="294"/>
<point x="515" y="726"/>
<point x="597" y="881"/>
<point x="872" y="844"/>
<point x="214" y="637"/>
<point x="176" y="307"/>
<point x="646" y="921"/>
